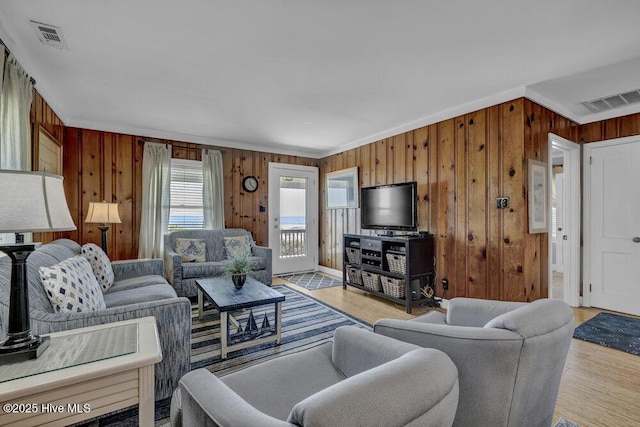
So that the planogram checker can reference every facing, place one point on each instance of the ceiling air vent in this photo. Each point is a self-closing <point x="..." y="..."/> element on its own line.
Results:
<point x="613" y="101"/>
<point x="50" y="35"/>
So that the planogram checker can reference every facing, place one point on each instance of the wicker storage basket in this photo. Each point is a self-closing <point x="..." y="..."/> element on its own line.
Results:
<point x="353" y="255"/>
<point x="353" y="276"/>
<point x="397" y="263"/>
<point x="371" y="281"/>
<point x="393" y="287"/>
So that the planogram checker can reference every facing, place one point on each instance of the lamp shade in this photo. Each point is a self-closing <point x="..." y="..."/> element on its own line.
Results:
<point x="103" y="213"/>
<point x="33" y="202"/>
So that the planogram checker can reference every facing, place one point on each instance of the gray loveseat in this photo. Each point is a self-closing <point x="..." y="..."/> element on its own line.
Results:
<point x="139" y="290"/>
<point x="361" y="379"/>
<point x="183" y="275"/>
<point x="510" y="356"/>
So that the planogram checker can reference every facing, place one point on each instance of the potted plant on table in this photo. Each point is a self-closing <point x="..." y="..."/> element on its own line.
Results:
<point x="237" y="270"/>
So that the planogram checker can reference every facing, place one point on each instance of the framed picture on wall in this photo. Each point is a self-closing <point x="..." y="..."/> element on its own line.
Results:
<point x="342" y="188"/>
<point x="49" y="153"/>
<point x="538" y="196"/>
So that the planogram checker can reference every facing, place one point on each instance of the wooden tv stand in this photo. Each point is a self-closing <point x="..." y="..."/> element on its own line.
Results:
<point x="392" y="259"/>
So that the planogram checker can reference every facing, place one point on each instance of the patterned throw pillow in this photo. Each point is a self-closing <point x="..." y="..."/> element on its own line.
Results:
<point x="71" y="286"/>
<point x="191" y="250"/>
<point x="100" y="264"/>
<point x="238" y="246"/>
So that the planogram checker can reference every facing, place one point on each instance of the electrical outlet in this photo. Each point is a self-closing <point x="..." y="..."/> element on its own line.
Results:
<point x="445" y="284"/>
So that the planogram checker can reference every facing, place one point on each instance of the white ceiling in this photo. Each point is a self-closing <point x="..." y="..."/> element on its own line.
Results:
<point x="317" y="77"/>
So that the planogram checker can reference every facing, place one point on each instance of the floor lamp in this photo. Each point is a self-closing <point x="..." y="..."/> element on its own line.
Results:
<point x="30" y="202"/>
<point x="103" y="213"/>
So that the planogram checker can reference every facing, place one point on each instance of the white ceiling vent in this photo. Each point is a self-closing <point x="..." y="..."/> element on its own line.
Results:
<point x="613" y="101"/>
<point x="50" y="35"/>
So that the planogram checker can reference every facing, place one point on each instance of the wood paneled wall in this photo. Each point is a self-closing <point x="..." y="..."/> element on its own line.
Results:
<point x="243" y="209"/>
<point x="108" y="166"/>
<point x="104" y="166"/>
<point x="619" y="127"/>
<point x="461" y="166"/>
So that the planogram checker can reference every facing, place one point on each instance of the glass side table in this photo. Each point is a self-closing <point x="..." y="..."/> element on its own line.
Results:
<point x="84" y="373"/>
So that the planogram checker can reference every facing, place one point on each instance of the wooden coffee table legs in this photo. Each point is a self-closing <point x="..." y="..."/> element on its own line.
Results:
<point x="200" y="304"/>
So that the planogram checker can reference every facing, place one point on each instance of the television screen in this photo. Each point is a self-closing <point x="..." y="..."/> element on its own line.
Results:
<point x="389" y="207"/>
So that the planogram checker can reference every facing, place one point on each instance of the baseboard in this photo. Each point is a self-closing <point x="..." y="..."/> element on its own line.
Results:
<point x="444" y="303"/>
<point x="330" y="271"/>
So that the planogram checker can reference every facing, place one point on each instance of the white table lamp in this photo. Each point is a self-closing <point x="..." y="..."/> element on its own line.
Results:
<point x="103" y="213"/>
<point x="29" y="202"/>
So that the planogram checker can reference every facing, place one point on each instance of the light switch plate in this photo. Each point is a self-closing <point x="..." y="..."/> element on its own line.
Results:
<point x="502" y="202"/>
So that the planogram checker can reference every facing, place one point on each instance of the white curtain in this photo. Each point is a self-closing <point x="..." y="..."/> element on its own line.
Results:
<point x="3" y="236"/>
<point x="212" y="189"/>
<point x="3" y="56"/>
<point x="15" y="127"/>
<point x="156" y="196"/>
<point x="16" y="93"/>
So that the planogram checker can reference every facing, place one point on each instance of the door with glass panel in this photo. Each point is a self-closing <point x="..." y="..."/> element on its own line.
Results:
<point x="293" y="217"/>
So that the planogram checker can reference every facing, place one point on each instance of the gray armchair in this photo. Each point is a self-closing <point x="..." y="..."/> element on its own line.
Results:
<point x="361" y="379"/>
<point x="510" y="356"/>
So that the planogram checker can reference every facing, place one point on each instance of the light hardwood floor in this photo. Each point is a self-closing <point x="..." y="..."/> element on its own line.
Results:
<point x="600" y="386"/>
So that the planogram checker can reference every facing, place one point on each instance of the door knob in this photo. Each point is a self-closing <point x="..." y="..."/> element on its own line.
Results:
<point x="636" y="240"/>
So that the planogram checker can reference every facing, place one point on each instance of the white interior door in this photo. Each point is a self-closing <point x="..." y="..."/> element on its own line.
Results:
<point x="565" y="283"/>
<point x="293" y="217"/>
<point x="612" y="268"/>
<point x="558" y="238"/>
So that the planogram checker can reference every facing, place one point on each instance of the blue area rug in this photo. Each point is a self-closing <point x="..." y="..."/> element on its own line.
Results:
<point x="312" y="281"/>
<point x="611" y="330"/>
<point x="306" y="323"/>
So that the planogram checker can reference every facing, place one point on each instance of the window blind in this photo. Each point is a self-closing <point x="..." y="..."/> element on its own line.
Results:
<point x="186" y="209"/>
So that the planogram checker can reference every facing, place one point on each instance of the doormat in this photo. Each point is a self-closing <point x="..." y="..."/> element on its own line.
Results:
<point x="613" y="331"/>
<point x="312" y="281"/>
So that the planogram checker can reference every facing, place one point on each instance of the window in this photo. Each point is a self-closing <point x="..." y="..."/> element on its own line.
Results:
<point x="186" y="209"/>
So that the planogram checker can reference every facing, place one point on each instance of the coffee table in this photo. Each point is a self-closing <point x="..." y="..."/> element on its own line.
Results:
<point x="222" y="295"/>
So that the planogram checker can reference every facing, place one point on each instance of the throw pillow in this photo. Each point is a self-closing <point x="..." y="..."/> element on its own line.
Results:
<point x="238" y="246"/>
<point x="191" y="250"/>
<point x="71" y="286"/>
<point x="100" y="264"/>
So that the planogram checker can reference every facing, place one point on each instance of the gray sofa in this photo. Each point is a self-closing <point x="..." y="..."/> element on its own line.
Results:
<point x="183" y="275"/>
<point x="139" y="290"/>
<point x="361" y="379"/>
<point x="510" y="356"/>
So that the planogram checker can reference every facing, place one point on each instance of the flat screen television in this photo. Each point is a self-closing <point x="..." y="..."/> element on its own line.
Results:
<point x="390" y="207"/>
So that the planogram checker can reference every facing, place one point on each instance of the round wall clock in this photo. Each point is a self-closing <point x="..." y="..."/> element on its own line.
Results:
<point x="250" y="184"/>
